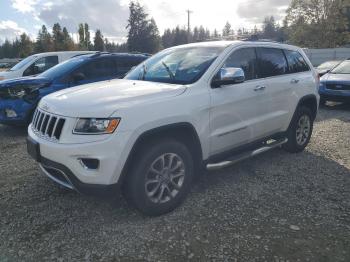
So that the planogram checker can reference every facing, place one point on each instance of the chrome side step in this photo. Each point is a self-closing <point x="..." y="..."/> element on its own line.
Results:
<point x="245" y="155"/>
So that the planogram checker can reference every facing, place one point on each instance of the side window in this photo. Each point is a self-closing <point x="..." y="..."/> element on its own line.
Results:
<point x="101" y="68"/>
<point x="41" y="65"/>
<point x="124" y="64"/>
<point x="271" y="61"/>
<point x="296" y="62"/>
<point x="244" y="58"/>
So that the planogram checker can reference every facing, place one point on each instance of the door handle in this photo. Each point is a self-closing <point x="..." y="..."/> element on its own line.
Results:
<point x="259" y="88"/>
<point x="294" y="81"/>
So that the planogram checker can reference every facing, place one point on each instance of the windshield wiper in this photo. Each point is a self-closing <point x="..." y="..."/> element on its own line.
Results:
<point x="144" y="71"/>
<point x="168" y="70"/>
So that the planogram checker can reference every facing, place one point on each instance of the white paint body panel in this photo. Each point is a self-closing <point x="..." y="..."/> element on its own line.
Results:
<point x="223" y="118"/>
<point x="62" y="56"/>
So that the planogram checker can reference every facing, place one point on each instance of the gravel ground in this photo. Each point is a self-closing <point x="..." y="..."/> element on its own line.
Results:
<point x="275" y="207"/>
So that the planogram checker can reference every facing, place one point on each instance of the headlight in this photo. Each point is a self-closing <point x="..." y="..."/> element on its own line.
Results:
<point x="96" y="126"/>
<point x="17" y="92"/>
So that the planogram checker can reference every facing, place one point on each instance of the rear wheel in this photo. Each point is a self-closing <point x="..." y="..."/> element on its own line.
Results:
<point x="161" y="177"/>
<point x="300" y="130"/>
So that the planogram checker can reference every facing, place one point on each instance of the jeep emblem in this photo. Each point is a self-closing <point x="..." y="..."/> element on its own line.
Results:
<point x="45" y="107"/>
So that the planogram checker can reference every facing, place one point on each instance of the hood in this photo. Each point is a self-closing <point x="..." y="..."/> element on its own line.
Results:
<point x="8" y="74"/>
<point x="336" y="78"/>
<point x="26" y="88"/>
<point x="101" y="99"/>
<point x="24" y="81"/>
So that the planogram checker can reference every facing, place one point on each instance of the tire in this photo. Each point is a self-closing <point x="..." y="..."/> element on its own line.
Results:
<point x="143" y="188"/>
<point x="322" y="101"/>
<point x="297" y="141"/>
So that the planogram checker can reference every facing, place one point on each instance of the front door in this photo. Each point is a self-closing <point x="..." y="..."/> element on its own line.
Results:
<point x="237" y="110"/>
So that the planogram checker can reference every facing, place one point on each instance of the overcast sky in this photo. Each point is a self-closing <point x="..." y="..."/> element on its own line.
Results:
<point x="17" y="16"/>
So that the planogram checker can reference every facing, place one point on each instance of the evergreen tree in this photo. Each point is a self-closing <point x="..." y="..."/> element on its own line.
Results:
<point x="87" y="36"/>
<point x="68" y="44"/>
<point x="195" y="36"/>
<point x="44" y="41"/>
<point x="81" y="34"/>
<point x="143" y="35"/>
<point x="180" y="36"/>
<point x="167" y="38"/>
<point x="98" y="41"/>
<point x="227" y="29"/>
<point x="269" y="28"/>
<point x="84" y="37"/>
<point x="57" y="37"/>
<point x="26" y="46"/>
<point x="215" y="34"/>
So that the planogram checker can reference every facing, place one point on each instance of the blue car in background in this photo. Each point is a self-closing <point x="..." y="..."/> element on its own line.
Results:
<point x="335" y="85"/>
<point x="19" y="97"/>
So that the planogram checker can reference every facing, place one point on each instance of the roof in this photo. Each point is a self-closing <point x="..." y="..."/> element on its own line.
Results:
<point x="225" y="43"/>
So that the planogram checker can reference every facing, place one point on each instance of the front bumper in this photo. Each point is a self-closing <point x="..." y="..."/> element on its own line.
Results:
<point x="66" y="160"/>
<point x="334" y="95"/>
<point x="22" y="109"/>
<point x="63" y="176"/>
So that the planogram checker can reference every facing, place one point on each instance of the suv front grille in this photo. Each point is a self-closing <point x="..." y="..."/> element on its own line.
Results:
<point x="338" y="86"/>
<point x="47" y="126"/>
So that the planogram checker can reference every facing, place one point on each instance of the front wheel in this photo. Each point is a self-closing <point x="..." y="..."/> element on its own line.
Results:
<point x="300" y="130"/>
<point x="161" y="177"/>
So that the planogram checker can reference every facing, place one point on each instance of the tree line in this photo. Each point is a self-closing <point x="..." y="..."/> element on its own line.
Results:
<point x="308" y="23"/>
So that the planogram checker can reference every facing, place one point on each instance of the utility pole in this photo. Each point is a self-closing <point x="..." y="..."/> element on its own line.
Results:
<point x="189" y="12"/>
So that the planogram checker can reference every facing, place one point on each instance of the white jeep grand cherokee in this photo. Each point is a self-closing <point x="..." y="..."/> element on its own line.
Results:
<point x="186" y="108"/>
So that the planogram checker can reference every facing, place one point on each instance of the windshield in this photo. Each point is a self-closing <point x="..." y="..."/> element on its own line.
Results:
<point x="63" y="68"/>
<point x="176" y="66"/>
<point x="328" y="65"/>
<point x="24" y="62"/>
<point x="342" y="68"/>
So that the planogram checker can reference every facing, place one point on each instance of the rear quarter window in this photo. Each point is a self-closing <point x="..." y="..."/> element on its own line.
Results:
<point x="271" y="61"/>
<point x="296" y="62"/>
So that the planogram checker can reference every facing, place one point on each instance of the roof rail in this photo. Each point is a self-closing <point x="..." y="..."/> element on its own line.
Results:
<point x="255" y="38"/>
<point x="98" y="53"/>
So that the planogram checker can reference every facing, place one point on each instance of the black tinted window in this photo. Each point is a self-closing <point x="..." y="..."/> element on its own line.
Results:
<point x="272" y="62"/>
<point x="41" y="65"/>
<point x="296" y="62"/>
<point x="101" y="68"/>
<point x="124" y="64"/>
<point x="246" y="59"/>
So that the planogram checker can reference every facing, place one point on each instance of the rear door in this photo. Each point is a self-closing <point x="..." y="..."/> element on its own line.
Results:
<point x="235" y="112"/>
<point x="273" y="67"/>
<point x="300" y="79"/>
<point x="99" y="69"/>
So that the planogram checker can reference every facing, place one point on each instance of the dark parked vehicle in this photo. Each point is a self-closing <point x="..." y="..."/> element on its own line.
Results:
<point x="335" y="85"/>
<point x="19" y="97"/>
<point x="325" y="67"/>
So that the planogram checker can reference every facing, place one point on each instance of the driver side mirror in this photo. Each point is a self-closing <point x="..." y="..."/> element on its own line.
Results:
<point x="77" y="77"/>
<point x="228" y="76"/>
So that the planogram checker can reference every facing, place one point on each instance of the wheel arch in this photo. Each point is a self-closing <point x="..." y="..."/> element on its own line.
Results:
<point x="309" y="101"/>
<point x="183" y="131"/>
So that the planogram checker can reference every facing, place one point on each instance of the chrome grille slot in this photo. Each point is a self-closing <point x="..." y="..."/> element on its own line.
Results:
<point x="47" y="125"/>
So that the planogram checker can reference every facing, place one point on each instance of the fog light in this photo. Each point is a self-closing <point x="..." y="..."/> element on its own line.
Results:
<point x="10" y="113"/>
<point x="89" y="163"/>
